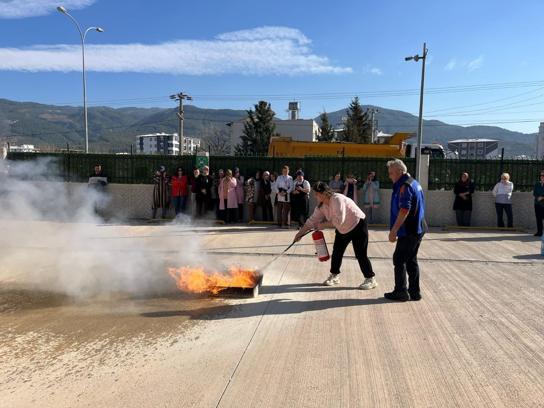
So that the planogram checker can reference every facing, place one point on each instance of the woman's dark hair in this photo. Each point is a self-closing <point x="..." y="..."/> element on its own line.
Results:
<point x="323" y="188"/>
<point x="180" y="169"/>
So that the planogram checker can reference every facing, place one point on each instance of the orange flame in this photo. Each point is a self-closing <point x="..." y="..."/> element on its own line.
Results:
<point x="197" y="280"/>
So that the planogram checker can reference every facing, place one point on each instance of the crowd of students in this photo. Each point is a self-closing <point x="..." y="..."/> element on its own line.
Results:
<point x="267" y="196"/>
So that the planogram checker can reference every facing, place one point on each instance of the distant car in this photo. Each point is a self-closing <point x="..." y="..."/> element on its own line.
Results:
<point x="435" y="150"/>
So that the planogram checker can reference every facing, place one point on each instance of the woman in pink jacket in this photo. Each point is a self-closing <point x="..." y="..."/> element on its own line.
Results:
<point x="228" y="200"/>
<point x="239" y="193"/>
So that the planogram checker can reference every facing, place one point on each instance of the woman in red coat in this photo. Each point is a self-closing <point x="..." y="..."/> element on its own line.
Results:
<point x="179" y="191"/>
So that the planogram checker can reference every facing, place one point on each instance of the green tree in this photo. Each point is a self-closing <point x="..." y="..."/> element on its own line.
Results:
<point x="357" y="126"/>
<point x="327" y="133"/>
<point x="258" y="129"/>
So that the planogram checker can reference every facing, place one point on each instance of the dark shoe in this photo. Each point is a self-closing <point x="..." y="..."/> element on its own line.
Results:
<point x="398" y="296"/>
<point x="538" y="234"/>
<point x="415" y="296"/>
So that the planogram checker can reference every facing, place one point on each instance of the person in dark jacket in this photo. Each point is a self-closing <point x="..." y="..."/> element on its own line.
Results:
<point x="266" y="187"/>
<point x="462" y="205"/>
<point x="203" y="191"/>
<point x="407" y="229"/>
<point x="161" y="192"/>
<point x="538" y="193"/>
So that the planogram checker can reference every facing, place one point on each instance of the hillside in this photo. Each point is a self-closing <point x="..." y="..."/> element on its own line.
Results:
<point x="113" y="130"/>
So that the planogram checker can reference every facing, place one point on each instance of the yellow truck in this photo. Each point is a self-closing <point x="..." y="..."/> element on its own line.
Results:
<point x="393" y="146"/>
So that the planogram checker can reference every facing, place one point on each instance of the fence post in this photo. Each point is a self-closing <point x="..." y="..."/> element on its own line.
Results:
<point x="425" y="166"/>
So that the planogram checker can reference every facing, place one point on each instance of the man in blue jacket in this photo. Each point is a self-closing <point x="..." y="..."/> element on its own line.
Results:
<point x="407" y="229"/>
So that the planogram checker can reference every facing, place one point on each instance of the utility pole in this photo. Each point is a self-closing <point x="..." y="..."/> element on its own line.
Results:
<point x="416" y="58"/>
<point x="373" y="111"/>
<point x="180" y="97"/>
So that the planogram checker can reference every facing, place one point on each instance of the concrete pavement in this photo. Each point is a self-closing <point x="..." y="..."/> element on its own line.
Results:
<point x="476" y="339"/>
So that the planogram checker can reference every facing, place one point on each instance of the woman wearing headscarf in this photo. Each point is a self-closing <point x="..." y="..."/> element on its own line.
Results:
<point x="463" y="190"/>
<point x="161" y="192"/>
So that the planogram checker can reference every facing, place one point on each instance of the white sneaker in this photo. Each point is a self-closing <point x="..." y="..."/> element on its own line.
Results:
<point x="332" y="280"/>
<point x="369" y="283"/>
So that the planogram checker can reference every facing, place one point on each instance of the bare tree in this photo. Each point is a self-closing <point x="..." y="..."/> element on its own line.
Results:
<point x="216" y="140"/>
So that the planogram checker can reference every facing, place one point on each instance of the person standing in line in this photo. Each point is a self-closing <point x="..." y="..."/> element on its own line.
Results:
<point x="220" y="214"/>
<point x="371" y="195"/>
<point x="336" y="184"/>
<point x="266" y="187"/>
<point x="239" y="193"/>
<point x="194" y="189"/>
<point x="227" y="194"/>
<point x="258" y="199"/>
<point x="300" y="199"/>
<point x="98" y="182"/>
<point x="203" y="192"/>
<point x="407" y="230"/>
<point x="161" y="190"/>
<point x="284" y="188"/>
<point x="179" y="191"/>
<point x="250" y="199"/>
<point x="462" y="205"/>
<point x="274" y="196"/>
<point x="339" y="211"/>
<point x="350" y="187"/>
<point x="538" y="193"/>
<point x="503" y="200"/>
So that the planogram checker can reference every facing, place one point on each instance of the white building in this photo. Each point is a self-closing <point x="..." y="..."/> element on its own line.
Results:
<point x="540" y="142"/>
<point x="25" y="148"/>
<point x="306" y="130"/>
<point x="165" y="143"/>
<point x="475" y="148"/>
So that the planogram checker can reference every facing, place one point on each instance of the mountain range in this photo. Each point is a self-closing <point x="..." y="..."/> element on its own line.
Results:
<point x="114" y="129"/>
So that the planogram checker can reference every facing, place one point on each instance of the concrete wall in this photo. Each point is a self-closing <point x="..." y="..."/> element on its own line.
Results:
<point x="134" y="201"/>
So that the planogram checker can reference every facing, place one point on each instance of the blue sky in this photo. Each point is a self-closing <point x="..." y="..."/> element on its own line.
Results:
<point x="485" y="61"/>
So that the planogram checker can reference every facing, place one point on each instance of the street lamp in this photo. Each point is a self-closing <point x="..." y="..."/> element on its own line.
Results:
<point x="416" y="58"/>
<point x="83" y="35"/>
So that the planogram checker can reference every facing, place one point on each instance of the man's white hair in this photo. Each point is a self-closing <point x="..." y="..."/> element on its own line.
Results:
<point x="399" y="164"/>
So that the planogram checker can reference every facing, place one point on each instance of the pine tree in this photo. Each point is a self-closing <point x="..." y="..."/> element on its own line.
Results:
<point x="358" y="126"/>
<point x="258" y="129"/>
<point x="327" y="133"/>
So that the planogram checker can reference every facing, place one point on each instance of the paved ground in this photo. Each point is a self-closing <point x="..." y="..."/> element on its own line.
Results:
<point x="477" y="338"/>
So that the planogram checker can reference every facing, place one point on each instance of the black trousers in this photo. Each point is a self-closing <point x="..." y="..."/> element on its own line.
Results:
<point x="463" y="217"/>
<point x="358" y="236"/>
<point x="405" y="260"/>
<point x="539" y="213"/>
<point x="508" y="209"/>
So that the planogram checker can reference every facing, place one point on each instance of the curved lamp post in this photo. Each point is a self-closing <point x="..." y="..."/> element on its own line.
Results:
<point x="83" y="35"/>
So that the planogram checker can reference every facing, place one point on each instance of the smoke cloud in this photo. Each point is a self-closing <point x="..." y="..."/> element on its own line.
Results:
<point x="51" y="239"/>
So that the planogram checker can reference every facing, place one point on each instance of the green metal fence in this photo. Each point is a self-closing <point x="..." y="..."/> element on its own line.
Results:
<point x="443" y="174"/>
<point x="138" y="169"/>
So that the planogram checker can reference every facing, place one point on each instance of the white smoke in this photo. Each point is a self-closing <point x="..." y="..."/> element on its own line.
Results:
<point x="51" y="239"/>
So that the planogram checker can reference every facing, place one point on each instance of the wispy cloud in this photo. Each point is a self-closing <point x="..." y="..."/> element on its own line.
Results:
<point x="32" y="8"/>
<point x="450" y="66"/>
<point x="470" y="66"/>
<point x="376" y="71"/>
<point x="259" y="51"/>
<point x="475" y="64"/>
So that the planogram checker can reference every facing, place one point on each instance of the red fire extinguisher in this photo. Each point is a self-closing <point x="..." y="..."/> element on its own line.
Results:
<point x="320" y="246"/>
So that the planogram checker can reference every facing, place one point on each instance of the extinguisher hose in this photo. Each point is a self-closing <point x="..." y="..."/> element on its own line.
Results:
<point x="283" y="252"/>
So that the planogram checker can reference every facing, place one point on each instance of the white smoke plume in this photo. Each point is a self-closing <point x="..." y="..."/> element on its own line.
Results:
<point x="51" y="239"/>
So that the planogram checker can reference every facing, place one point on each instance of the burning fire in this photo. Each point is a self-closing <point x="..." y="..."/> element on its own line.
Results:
<point x="197" y="280"/>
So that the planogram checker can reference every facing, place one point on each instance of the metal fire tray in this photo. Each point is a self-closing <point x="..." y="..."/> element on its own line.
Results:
<point x="237" y="291"/>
